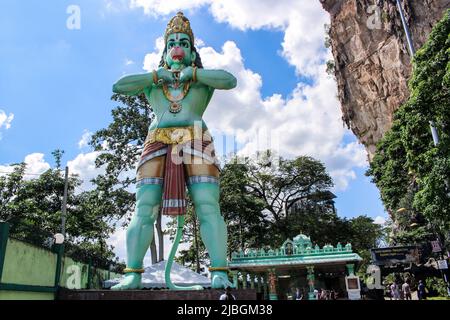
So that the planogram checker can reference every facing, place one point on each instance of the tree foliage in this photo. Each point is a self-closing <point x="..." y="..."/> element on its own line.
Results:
<point x="242" y="211"/>
<point x="33" y="207"/>
<point x="263" y="205"/>
<point x="410" y="171"/>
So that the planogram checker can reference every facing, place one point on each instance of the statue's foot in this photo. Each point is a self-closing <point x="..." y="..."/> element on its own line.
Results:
<point x="131" y="281"/>
<point x="219" y="280"/>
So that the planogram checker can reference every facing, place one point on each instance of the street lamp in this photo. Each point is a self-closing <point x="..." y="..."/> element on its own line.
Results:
<point x="59" y="238"/>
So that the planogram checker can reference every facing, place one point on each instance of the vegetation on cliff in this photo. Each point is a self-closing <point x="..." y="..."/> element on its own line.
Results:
<point x="409" y="169"/>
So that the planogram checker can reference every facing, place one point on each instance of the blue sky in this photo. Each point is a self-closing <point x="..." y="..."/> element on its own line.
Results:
<point x="56" y="82"/>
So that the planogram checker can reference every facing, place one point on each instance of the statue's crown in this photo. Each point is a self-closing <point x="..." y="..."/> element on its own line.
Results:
<point x="179" y="24"/>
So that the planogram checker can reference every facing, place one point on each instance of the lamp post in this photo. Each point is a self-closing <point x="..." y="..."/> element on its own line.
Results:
<point x="64" y="203"/>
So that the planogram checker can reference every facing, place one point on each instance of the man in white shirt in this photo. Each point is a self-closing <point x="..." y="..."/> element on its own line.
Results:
<point x="227" y="295"/>
<point x="406" y="290"/>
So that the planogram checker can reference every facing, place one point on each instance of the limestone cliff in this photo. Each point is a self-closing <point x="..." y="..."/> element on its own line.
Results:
<point x="372" y="64"/>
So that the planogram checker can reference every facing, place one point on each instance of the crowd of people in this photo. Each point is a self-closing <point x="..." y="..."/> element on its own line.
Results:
<point x="396" y="291"/>
<point x="404" y="292"/>
<point x="320" y="294"/>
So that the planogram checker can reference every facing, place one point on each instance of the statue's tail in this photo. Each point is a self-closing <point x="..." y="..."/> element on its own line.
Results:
<point x="173" y="251"/>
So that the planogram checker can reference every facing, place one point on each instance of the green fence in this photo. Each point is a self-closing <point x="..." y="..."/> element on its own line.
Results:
<point x="30" y="272"/>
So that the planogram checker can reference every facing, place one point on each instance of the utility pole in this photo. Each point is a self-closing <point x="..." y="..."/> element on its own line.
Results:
<point x="59" y="238"/>
<point x="64" y="203"/>
<point x="412" y="52"/>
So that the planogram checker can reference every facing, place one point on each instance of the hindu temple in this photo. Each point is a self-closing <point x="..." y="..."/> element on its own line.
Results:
<point x="298" y="264"/>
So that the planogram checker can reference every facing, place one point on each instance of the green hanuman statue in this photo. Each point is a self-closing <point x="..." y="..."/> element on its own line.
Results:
<point x="178" y="152"/>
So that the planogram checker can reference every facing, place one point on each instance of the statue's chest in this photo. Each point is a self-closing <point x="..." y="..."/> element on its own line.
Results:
<point x="177" y="99"/>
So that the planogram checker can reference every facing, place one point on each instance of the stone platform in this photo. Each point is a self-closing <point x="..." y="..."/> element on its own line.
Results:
<point x="208" y="294"/>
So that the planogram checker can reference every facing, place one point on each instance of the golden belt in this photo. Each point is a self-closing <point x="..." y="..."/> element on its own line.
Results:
<point x="177" y="135"/>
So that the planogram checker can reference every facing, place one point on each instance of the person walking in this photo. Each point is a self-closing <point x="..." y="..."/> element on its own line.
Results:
<point x="316" y="294"/>
<point x="227" y="294"/>
<point x="395" y="292"/>
<point x="421" y="290"/>
<point x="333" y="295"/>
<point x="406" y="289"/>
<point x="298" y="294"/>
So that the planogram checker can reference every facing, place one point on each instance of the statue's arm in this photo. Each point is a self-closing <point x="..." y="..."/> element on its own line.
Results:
<point x="217" y="79"/>
<point x="134" y="84"/>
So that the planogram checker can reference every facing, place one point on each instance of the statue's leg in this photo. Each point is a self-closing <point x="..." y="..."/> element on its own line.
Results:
<point x="140" y="230"/>
<point x="204" y="190"/>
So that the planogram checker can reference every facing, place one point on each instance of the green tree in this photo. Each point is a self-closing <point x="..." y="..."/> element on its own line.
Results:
<point x="410" y="171"/>
<point x="292" y="184"/>
<point x="11" y="185"/>
<point x="33" y="209"/>
<point x="242" y="211"/>
<point x="275" y="203"/>
<point x="364" y="235"/>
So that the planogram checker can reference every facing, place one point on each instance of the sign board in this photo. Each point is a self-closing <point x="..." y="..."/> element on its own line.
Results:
<point x="436" y="247"/>
<point x="393" y="255"/>
<point x="353" y="287"/>
<point x="352" y="284"/>
<point x="442" y="264"/>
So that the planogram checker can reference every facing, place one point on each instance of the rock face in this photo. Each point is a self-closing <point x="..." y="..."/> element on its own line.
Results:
<point x="372" y="63"/>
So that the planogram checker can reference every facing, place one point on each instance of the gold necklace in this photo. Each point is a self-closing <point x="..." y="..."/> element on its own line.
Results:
<point x="175" y="105"/>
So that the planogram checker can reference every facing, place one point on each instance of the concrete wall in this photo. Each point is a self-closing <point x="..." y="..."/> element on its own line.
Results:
<point x="210" y="294"/>
<point x="27" y="264"/>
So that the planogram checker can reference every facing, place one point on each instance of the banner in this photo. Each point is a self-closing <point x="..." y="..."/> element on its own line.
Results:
<point x="394" y="255"/>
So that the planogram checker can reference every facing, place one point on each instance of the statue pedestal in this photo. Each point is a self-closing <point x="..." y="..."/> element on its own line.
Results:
<point x="208" y="294"/>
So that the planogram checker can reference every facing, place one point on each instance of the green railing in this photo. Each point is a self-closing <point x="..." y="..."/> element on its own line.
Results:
<point x="300" y="246"/>
<point x="31" y="272"/>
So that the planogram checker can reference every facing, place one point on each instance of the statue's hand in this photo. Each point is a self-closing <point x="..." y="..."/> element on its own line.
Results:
<point x="164" y="75"/>
<point x="186" y="74"/>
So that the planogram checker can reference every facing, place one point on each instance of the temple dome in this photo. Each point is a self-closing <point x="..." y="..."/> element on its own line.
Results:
<point x="302" y="239"/>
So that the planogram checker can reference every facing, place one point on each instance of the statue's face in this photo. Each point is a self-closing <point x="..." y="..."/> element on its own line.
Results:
<point x="178" y="50"/>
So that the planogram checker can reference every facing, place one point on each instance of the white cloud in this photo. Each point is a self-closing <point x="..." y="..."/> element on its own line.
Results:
<point x="199" y="43"/>
<point x="84" y="166"/>
<point x="128" y="62"/>
<point x="380" y="220"/>
<point x="35" y="165"/>
<point x="151" y="60"/>
<point x="84" y="141"/>
<point x="113" y="6"/>
<point x="5" y="121"/>
<point x="301" y="20"/>
<point x="163" y="7"/>
<point x="306" y="123"/>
